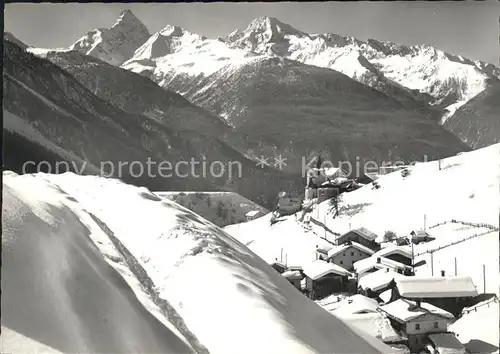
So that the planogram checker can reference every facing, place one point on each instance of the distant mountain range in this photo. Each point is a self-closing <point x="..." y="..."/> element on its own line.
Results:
<point x="417" y="76"/>
<point x="267" y="91"/>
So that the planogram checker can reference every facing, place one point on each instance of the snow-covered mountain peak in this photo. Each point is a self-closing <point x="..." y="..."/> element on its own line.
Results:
<point x="271" y="24"/>
<point x="264" y="35"/>
<point x="173" y="31"/>
<point x="128" y="22"/>
<point x="116" y="44"/>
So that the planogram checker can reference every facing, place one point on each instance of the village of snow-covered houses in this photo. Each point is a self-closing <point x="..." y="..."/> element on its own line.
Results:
<point x="399" y="258"/>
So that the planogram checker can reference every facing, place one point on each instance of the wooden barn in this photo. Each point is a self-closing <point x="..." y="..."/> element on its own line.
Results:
<point x="400" y="254"/>
<point x="451" y="293"/>
<point x="347" y="254"/>
<point x="374" y="263"/>
<point x="323" y="279"/>
<point x="280" y="267"/>
<point x="420" y="236"/>
<point x="362" y="236"/>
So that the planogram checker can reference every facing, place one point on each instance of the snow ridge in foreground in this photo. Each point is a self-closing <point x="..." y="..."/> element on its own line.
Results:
<point x="227" y="296"/>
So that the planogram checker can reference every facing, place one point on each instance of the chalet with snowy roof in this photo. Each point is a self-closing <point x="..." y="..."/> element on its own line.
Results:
<point x="322" y="252"/>
<point x="347" y="254"/>
<point x="416" y="320"/>
<point x="323" y="279"/>
<point x="362" y="236"/>
<point x="253" y="214"/>
<point x="315" y="177"/>
<point x="355" y="305"/>
<point x="420" y="236"/>
<point x="373" y="263"/>
<point x="401" y="254"/>
<point x="444" y="343"/>
<point x="451" y="293"/>
<point x="379" y="282"/>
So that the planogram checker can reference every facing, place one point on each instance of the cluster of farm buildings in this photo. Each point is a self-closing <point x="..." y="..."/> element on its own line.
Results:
<point x="374" y="285"/>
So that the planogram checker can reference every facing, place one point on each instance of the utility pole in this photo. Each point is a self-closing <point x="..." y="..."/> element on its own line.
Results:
<point x="484" y="279"/>
<point x="412" y="255"/>
<point x="432" y="263"/>
<point x="455" y="266"/>
<point x="425" y="222"/>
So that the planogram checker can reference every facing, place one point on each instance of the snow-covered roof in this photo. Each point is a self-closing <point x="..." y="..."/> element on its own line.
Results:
<point x="252" y="213"/>
<point x="368" y="263"/>
<point x="373" y="176"/>
<point x="336" y="250"/>
<point x="319" y="268"/>
<point x="481" y="324"/>
<point x="292" y="275"/>
<point x="363" y="232"/>
<point x="278" y="263"/>
<point x="421" y="233"/>
<point x="294" y="267"/>
<point x="356" y="304"/>
<point x="378" y="280"/>
<point x="393" y="249"/>
<point x="386" y="296"/>
<point x="446" y="343"/>
<point x="375" y="324"/>
<point x="403" y="310"/>
<point x="334" y="172"/>
<point x="436" y="287"/>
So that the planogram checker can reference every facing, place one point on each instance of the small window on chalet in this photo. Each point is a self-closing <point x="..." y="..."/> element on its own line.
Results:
<point x="352" y="253"/>
<point x="361" y="254"/>
<point x="341" y="262"/>
<point x="343" y="254"/>
<point x="417" y="326"/>
<point x="436" y="325"/>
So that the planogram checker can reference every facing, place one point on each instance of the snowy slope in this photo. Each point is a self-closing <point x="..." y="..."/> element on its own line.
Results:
<point x="63" y="289"/>
<point x="243" y="305"/>
<point x="477" y="123"/>
<point x="116" y="44"/>
<point x="465" y="189"/>
<point x="477" y="329"/>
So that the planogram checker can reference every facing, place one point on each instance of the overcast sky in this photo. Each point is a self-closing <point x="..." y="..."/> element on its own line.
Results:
<point x="468" y="28"/>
